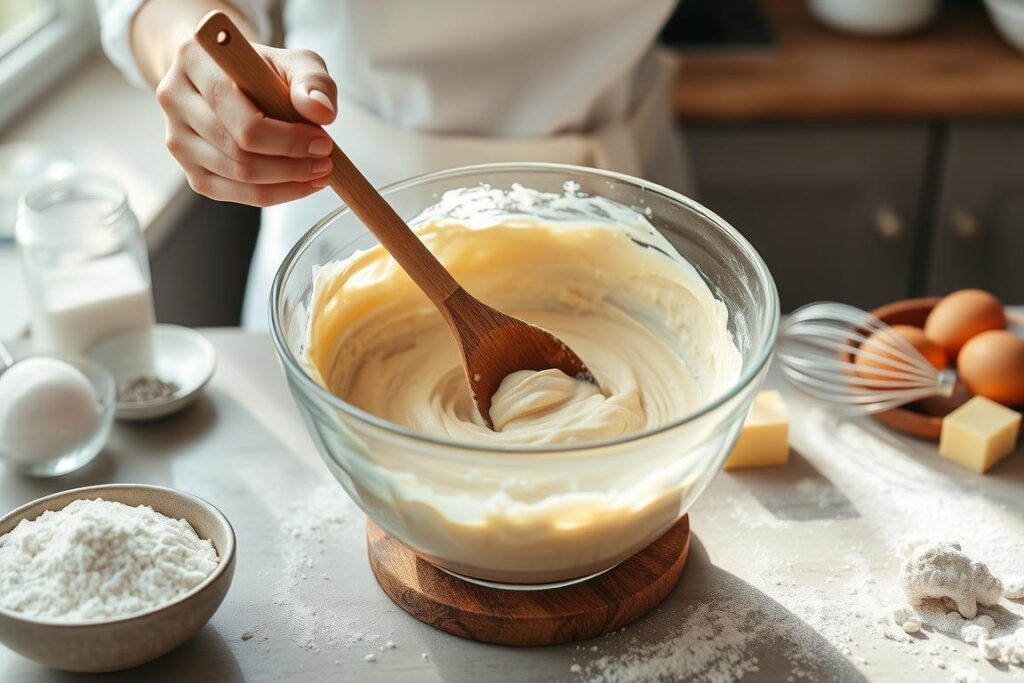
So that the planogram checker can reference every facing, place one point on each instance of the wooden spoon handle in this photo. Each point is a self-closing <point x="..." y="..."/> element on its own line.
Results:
<point x="226" y="44"/>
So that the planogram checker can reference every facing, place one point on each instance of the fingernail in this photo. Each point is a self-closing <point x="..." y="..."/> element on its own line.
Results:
<point x="320" y="166"/>
<point x="321" y="182"/>
<point x="321" y="97"/>
<point x="320" y="147"/>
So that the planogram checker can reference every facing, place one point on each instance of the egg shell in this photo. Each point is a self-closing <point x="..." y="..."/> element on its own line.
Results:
<point x="962" y="315"/>
<point x="992" y="365"/>
<point x="881" y="344"/>
<point x="47" y="408"/>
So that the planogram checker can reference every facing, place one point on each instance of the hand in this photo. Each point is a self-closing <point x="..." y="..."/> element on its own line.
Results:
<point x="229" y="149"/>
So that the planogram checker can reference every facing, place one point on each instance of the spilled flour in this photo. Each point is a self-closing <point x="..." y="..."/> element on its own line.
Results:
<point x="958" y="596"/>
<point x="321" y="524"/>
<point x="907" y="500"/>
<point x="711" y="642"/>
<point x="854" y="476"/>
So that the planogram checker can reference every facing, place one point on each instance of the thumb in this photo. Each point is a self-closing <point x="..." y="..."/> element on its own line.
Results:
<point x="313" y="92"/>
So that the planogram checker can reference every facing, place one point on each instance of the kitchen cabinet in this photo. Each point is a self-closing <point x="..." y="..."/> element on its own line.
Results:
<point x="865" y="170"/>
<point x="978" y="232"/>
<point x="869" y="213"/>
<point x="832" y="208"/>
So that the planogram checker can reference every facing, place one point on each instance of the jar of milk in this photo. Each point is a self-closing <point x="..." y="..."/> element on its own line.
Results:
<point x="86" y="265"/>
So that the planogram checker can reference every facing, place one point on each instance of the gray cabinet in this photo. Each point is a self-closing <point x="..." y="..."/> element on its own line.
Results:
<point x="978" y="233"/>
<point x="832" y="209"/>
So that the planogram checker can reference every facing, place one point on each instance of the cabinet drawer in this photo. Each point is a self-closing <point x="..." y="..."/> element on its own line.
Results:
<point x="832" y="209"/>
<point x="978" y="238"/>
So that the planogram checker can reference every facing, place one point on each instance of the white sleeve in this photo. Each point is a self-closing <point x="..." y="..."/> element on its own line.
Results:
<point x="116" y="23"/>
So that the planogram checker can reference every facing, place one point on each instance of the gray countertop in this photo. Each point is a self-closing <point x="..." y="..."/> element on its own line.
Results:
<point x="787" y="565"/>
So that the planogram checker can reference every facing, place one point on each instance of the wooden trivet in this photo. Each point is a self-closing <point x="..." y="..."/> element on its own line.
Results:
<point x="541" y="617"/>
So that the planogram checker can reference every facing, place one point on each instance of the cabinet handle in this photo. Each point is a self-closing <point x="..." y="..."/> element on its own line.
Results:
<point x="964" y="224"/>
<point x="888" y="223"/>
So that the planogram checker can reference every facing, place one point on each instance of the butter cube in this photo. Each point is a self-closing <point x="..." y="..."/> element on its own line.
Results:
<point x="765" y="438"/>
<point x="979" y="434"/>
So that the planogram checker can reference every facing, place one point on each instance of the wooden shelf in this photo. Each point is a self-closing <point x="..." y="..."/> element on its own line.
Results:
<point x="958" y="67"/>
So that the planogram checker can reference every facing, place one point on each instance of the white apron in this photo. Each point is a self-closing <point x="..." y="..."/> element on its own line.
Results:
<point x="644" y="144"/>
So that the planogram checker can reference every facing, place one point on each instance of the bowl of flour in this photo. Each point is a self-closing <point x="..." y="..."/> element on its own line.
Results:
<point x="105" y="578"/>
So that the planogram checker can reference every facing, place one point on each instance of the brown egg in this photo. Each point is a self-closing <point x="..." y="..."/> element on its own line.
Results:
<point x="992" y="365"/>
<point x="962" y="315"/>
<point x="881" y="345"/>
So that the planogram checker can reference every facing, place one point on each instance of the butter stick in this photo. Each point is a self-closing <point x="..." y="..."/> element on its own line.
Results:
<point x="979" y="434"/>
<point x="764" y="441"/>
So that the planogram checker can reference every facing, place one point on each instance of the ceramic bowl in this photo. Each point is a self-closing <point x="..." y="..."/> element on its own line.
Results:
<point x="116" y="644"/>
<point x="922" y="419"/>
<point x="180" y="355"/>
<point x="1008" y="16"/>
<point x="874" y="17"/>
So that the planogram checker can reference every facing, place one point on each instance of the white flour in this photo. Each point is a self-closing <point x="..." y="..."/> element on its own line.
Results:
<point x="907" y="501"/>
<point x="97" y="559"/>
<point x="947" y="587"/>
<point x="713" y="642"/>
<point x="937" y="570"/>
<point x="320" y="524"/>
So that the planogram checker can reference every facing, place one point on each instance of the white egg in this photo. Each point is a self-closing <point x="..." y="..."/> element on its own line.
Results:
<point x="47" y="408"/>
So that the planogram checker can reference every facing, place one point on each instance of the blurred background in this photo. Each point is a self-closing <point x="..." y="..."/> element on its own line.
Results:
<point x="870" y="149"/>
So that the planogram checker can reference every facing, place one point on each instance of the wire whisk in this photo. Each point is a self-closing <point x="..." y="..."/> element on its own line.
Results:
<point x="819" y="348"/>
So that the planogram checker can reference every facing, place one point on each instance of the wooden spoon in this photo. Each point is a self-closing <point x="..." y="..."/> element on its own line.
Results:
<point x="493" y="344"/>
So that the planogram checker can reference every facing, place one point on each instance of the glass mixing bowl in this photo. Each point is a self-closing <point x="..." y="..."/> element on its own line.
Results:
<point x="50" y="449"/>
<point x="538" y="516"/>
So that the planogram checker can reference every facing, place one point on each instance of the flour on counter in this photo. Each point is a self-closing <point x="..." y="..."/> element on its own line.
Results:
<point x="98" y="559"/>
<point x="712" y="642"/>
<point x="947" y="587"/>
<point x="904" y="496"/>
<point x="966" y="676"/>
<point x="728" y="635"/>
<point x="317" y="527"/>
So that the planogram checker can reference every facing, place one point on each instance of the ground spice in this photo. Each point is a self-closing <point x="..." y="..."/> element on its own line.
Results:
<point x="145" y="389"/>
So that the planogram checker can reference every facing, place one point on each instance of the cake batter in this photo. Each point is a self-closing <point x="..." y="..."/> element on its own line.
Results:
<point x="619" y="295"/>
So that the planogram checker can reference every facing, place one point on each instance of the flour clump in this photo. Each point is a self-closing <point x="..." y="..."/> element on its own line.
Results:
<point x="937" y="570"/>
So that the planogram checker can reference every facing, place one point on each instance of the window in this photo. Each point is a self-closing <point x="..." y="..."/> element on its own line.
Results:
<point x="40" y="40"/>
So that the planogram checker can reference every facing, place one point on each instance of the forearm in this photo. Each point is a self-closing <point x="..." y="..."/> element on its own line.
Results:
<point x="161" y="26"/>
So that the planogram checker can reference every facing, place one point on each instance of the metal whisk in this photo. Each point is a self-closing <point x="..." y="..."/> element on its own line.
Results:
<point x="820" y="343"/>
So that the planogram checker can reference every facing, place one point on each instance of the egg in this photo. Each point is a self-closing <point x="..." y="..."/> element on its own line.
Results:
<point x="992" y="365"/>
<point x="881" y="344"/>
<point x="961" y="316"/>
<point x="47" y="408"/>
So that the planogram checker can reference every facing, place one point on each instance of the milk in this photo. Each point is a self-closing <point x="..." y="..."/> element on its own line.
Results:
<point x="85" y="303"/>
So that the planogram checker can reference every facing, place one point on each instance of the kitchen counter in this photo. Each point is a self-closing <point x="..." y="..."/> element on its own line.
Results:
<point x="785" y="564"/>
<point x="958" y="67"/>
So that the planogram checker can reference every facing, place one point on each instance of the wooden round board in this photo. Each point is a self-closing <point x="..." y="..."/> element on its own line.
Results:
<point x="541" y="617"/>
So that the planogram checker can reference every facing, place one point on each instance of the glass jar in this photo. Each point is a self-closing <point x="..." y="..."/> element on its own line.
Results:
<point x="537" y="516"/>
<point x="85" y="264"/>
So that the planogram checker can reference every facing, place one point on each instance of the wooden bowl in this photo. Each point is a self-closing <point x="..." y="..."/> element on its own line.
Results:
<point x="924" y="418"/>
<point x="116" y="644"/>
<point x="913" y="419"/>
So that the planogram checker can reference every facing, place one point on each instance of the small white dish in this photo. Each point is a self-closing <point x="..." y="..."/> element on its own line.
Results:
<point x="180" y="355"/>
<point x="1008" y="16"/>
<point x="874" y="17"/>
